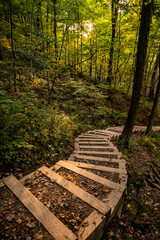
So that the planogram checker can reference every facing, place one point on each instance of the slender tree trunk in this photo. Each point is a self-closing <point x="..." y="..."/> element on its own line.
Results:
<point x="55" y="30"/>
<point x="12" y="46"/>
<point x="110" y="63"/>
<point x="91" y="61"/>
<point x="146" y="16"/>
<point x="81" y="50"/>
<point x="68" y="46"/>
<point x="63" y="39"/>
<point x="155" y="104"/>
<point x="47" y="20"/>
<point x="153" y="79"/>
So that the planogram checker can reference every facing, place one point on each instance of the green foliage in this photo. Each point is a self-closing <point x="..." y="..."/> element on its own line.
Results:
<point x="28" y="130"/>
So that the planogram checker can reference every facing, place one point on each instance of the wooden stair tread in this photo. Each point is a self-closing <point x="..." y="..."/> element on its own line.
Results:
<point x="97" y="167"/>
<point x="86" y="197"/>
<point x="90" y="175"/>
<point x="107" y="159"/>
<point x="54" y="226"/>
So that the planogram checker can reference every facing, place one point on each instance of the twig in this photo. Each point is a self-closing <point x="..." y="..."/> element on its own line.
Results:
<point x="153" y="184"/>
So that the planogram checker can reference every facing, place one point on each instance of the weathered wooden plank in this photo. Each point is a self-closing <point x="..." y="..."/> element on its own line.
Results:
<point x="101" y="154"/>
<point x="122" y="164"/>
<point x="92" y="176"/>
<point x="113" y="130"/>
<point x="91" y="137"/>
<point x="124" y="179"/>
<point x="95" y="144"/>
<point x="53" y="225"/>
<point x="94" y="136"/>
<point x="97" y="167"/>
<point x="101" y="133"/>
<point x="107" y="149"/>
<point x="86" y="197"/>
<point x="107" y="159"/>
<point x="91" y="140"/>
<point x="93" y="227"/>
<point x="115" y="200"/>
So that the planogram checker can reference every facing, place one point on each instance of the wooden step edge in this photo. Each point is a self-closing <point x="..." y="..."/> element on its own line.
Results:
<point x="99" y="133"/>
<point x="93" y="136"/>
<point x="108" y="148"/>
<point x="92" y="140"/>
<point x="92" y="176"/>
<point x="89" y="137"/>
<point x="53" y="225"/>
<point x="94" y="143"/>
<point x="100" y="150"/>
<point x="95" y="226"/>
<point x="122" y="164"/>
<point x="97" y="167"/>
<point x="94" y="158"/>
<point x="80" y="193"/>
<point x="115" y="201"/>
<point x="123" y="179"/>
<point x="99" y="154"/>
<point x="114" y="130"/>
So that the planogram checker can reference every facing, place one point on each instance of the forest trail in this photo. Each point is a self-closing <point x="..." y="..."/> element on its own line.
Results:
<point x="76" y="198"/>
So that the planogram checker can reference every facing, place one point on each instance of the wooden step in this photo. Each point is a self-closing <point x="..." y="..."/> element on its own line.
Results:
<point x="99" y="133"/>
<point x="120" y="162"/>
<point x="53" y="225"/>
<point x="91" y="140"/>
<point x="99" y="136"/>
<point x="122" y="173"/>
<point x="100" y="154"/>
<point x="105" y="149"/>
<point x="94" y="143"/>
<point x="90" y="175"/>
<point x="113" y="130"/>
<point x="114" y="200"/>
<point x="98" y="167"/>
<point x="86" y="197"/>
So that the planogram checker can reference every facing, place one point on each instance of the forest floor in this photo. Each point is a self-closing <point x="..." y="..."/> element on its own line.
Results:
<point x="140" y="217"/>
<point x="35" y="133"/>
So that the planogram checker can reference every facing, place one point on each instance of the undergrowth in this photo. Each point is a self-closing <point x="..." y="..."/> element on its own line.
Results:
<point x="34" y="132"/>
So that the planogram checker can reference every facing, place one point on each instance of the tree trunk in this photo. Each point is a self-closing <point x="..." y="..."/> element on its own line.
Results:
<point x="55" y="29"/>
<point x="12" y="46"/>
<point x="91" y="62"/>
<point x="146" y="16"/>
<point x="114" y="20"/>
<point x="155" y="104"/>
<point x="153" y="79"/>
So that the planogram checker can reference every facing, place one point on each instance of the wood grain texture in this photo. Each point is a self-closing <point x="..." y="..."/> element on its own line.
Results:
<point x="97" y="167"/>
<point x="92" y="176"/>
<point x="94" y="229"/>
<point x="86" y="197"/>
<point x="53" y="225"/>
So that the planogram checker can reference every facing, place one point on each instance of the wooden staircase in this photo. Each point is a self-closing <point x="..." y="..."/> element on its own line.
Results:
<point x="90" y="187"/>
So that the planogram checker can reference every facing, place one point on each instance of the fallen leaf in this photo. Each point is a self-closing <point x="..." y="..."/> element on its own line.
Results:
<point x="19" y="221"/>
<point x="9" y="218"/>
<point x="105" y="190"/>
<point x="31" y="225"/>
<point x="38" y="236"/>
